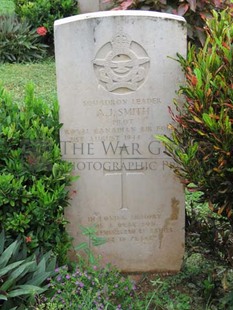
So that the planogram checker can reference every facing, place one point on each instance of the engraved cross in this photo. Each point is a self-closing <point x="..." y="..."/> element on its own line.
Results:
<point x="123" y="172"/>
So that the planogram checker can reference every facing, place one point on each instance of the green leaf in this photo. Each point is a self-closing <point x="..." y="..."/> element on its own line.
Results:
<point x="10" y="267"/>
<point x="97" y="241"/>
<point x="3" y="297"/>
<point x="199" y="76"/>
<point x="92" y="259"/>
<point x="2" y="241"/>
<point x="41" y="266"/>
<point x="18" y="273"/>
<point x="39" y="278"/>
<point x="163" y="139"/>
<point x="6" y="255"/>
<point x="55" y="169"/>
<point x="88" y="231"/>
<point x="208" y="121"/>
<point x="26" y="290"/>
<point x="192" y="150"/>
<point x="81" y="246"/>
<point x="51" y="265"/>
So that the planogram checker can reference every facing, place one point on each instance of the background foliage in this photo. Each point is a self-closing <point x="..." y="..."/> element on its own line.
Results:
<point x="194" y="11"/>
<point x="27" y="35"/>
<point x="44" y="12"/>
<point x="19" y="42"/>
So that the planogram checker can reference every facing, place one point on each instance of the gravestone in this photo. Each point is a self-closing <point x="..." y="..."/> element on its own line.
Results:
<point x="87" y="6"/>
<point x="116" y="78"/>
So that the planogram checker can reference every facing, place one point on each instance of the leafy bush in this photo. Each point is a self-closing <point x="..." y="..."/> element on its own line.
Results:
<point x="22" y="277"/>
<point x="7" y="7"/>
<point x="18" y="42"/>
<point x="45" y="12"/>
<point x="202" y="144"/>
<point x="194" y="11"/>
<point x="33" y="176"/>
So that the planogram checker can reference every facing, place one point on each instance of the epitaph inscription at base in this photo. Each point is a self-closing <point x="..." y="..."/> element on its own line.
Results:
<point x="116" y="78"/>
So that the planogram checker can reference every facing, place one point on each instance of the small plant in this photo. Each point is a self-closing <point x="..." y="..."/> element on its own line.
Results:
<point x="91" y="288"/>
<point x="208" y="288"/>
<point x="22" y="277"/>
<point x="166" y="297"/>
<point x="93" y="241"/>
<point x="18" y="41"/>
<point x="33" y="176"/>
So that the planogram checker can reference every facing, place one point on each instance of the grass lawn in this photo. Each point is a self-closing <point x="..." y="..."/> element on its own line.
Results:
<point x="15" y="77"/>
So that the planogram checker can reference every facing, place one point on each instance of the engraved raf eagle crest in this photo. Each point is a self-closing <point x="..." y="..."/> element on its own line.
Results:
<point x="121" y="65"/>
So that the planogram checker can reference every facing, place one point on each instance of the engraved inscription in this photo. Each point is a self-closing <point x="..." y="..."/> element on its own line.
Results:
<point x="136" y="228"/>
<point x="121" y="65"/>
<point x="120" y="101"/>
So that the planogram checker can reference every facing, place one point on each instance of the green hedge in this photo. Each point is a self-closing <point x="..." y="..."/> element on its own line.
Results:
<point x="33" y="176"/>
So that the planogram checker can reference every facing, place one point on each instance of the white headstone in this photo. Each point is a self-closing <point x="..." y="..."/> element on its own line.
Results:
<point x="116" y="78"/>
<point x="87" y="6"/>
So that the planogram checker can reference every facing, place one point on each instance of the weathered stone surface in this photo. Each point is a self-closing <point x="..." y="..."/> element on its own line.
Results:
<point x="88" y="6"/>
<point x="116" y="79"/>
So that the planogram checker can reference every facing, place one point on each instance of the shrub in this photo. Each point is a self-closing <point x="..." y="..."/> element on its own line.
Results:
<point x="22" y="277"/>
<point x="44" y="12"/>
<point x="18" y="42"/>
<point x="194" y="11"/>
<point x="7" y="7"/>
<point x="202" y="143"/>
<point x="33" y="176"/>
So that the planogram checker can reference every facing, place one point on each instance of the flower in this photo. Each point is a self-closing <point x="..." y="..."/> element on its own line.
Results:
<point x="42" y="31"/>
<point x="59" y="278"/>
<point x="81" y="284"/>
<point x="28" y="239"/>
<point x="31" y="159"/>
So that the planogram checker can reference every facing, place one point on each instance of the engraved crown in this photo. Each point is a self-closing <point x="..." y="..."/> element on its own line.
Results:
<point x="121" y="41"/>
